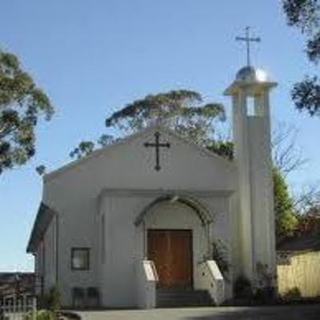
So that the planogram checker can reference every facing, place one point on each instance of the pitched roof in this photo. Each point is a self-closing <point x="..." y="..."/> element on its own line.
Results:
<point x="128" y="139"/>
<point x="43" y="218"/>
<point x="45" y="213"/>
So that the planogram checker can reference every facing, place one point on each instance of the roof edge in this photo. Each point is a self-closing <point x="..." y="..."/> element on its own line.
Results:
<point x="41" y="223"/>
<point x="98" y="152"/>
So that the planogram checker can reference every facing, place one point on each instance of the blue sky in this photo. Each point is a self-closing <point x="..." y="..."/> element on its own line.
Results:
<point x="94" y="56"/>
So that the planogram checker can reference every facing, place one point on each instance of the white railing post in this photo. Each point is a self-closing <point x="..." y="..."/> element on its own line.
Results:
<point x="147" y="279"/>
<point x="13" y="307"/>
<point x="211" y="279"/>
<point x="19" y="305"/>
<point x="34" y="308"/>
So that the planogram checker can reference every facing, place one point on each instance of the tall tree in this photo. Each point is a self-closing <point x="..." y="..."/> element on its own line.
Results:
<point x="184" y="112"/>
<point x="21" y="104"/>
<point x="286" y="154"/>
<point x="286" y="220"/>
<point x="181" y="110"/>
<point x="307" y="199"/>
<point x="305" y="15"/>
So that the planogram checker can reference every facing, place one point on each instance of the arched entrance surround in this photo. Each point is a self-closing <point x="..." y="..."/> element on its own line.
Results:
<point x="174" y="216"/>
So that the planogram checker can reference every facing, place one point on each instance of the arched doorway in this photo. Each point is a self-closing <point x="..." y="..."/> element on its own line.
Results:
<point x="176" y="238"/>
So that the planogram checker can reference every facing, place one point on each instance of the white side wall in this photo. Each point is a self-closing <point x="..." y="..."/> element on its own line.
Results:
<point x="77" y="229"/>
<point x="50" y="256"/>
<point x="39" y="268"/>
<point x="45" y="260"/>
<point x="123" y="250"/>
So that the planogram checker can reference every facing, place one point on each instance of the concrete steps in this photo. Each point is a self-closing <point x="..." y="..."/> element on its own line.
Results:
<point x="183" y="298"/>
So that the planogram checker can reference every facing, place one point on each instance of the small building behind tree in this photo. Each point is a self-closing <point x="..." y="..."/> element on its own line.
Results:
<point x="16" y="283"/>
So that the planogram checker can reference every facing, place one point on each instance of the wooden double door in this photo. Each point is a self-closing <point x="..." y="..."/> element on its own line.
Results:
<point x="171" y="252"/>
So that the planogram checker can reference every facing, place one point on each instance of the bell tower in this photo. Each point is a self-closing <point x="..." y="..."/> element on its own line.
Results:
<point x="252" y="140"/>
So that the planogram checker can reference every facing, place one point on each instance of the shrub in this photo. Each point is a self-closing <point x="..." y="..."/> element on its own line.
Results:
<point x="54" y="300"/>
<point x="265" y="291"/>
<point x="219" y="254"/>
<point x="51" y="302"/>
<point x="243" y="288"/>
<point x="41" y="315"/>
<point x="265" y="295"/>
<point x="292" y="294"/>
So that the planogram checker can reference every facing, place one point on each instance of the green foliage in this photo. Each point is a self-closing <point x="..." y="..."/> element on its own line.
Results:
<point x="242" y="288"/>
<point x="309" y="223"/>
<point x="181" y="110"/>
<point x="222" y="148"/>
<point x="41" y="170"/>
<point x="21" y="104"/>
<point x="220" y="255"/>
<point x="51" y="300"/>
<point x="305" y="15"/>
<point x="306" y="95"/>
<point x="84" y="148"/>
<point x="292" y="294"/>
<point x="264" y="295"/>
<point x="105" y="140"/>
<point x="286" y="220"/>
<point x="54" y="299"/>
<point x="265" y="291"/>
<point x="41" y="315"/>
<point x="264" y="276"/>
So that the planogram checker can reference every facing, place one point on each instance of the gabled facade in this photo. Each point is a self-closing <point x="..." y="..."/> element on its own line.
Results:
<point x="131" y="221"/>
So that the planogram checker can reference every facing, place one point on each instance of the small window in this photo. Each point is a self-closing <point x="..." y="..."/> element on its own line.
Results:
<point x="80" y="258"/>
<point x="251" y="107"/>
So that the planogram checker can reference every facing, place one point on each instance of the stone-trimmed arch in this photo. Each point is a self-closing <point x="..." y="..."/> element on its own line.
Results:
<point x="201" y="211"/>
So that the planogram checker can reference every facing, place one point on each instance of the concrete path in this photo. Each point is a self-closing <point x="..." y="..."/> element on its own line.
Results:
<point x="301" y="312"/>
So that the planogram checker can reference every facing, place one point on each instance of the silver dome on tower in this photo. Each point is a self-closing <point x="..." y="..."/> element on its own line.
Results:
<point x="251" y="74"/>
<point x="251" y="78"/>
<point x="254" y="80"/>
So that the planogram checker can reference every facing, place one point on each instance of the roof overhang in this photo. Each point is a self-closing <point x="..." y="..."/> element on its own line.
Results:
<point x="252" y="88"/>
<point x="43" y="219"/>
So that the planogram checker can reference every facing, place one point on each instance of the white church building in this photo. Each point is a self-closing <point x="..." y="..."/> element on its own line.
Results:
<point x="136" y="224"/>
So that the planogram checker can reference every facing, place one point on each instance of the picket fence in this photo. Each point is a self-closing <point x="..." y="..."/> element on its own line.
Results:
<point x="18" y="308"/>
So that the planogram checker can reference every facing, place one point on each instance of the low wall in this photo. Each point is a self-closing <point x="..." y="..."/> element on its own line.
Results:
<point x="300" y="270"/>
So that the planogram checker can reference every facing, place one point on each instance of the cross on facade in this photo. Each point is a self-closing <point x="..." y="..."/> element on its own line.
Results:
<point x="157" y="145"/>
<point x="248" y="39"/>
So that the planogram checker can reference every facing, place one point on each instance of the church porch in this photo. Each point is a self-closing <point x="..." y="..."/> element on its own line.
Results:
<point x="177" y="243"/>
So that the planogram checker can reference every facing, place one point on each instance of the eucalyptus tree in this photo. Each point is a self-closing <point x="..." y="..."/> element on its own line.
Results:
<point x="183" y="111"/>
<point x="22" y="103"/>
<point x="305" y="15"/>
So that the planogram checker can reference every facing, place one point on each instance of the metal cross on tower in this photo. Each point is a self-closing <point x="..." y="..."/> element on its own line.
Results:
<point x="248" y="39"/>
<point x="157" y="145"/>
